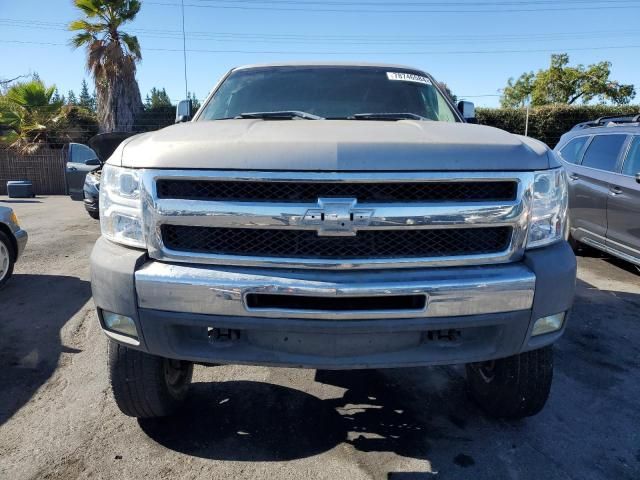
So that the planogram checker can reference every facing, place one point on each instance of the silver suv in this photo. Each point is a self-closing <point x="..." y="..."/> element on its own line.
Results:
<point x="602" y="159"/>
<point x="338" y="217"/>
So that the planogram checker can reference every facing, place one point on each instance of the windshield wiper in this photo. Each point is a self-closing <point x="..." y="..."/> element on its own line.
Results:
<point x="283" y="115"/>
<point x="387" y="116"/>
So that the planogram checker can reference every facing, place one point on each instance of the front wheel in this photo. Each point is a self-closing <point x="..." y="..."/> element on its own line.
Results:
<point x="7" y="259"/>
<point x="147" y="386"/>
<point x="513" y="387"/>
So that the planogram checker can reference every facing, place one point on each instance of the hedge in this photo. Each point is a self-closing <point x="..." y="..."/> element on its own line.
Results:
<point x="548" y="123"/>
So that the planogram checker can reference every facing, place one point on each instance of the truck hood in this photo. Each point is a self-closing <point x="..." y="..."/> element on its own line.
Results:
<point x="332" y="145"/>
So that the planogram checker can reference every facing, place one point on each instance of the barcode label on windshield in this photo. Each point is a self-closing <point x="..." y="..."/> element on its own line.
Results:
<point x="408" y="77"/>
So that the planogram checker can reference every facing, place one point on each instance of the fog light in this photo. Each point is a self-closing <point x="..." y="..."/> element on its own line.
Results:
<point x="549" y="324"/>
<point x="120" y="323"/>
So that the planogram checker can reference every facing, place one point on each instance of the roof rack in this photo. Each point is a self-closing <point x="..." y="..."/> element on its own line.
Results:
<point x="634" y="118"/>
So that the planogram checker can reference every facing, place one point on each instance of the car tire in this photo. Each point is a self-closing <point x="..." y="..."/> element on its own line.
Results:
<point x="94" y="215"/>
<point x="147" y="386"/>
<point x="7" y="258"/>
<point x="575" y="245"/>
<point x="514" y="387"/>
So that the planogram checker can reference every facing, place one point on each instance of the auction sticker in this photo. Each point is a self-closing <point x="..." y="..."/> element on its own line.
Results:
<point x="408" y="77"/>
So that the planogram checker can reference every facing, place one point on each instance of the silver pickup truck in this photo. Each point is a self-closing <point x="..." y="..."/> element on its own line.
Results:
<point x="332" y="216"/>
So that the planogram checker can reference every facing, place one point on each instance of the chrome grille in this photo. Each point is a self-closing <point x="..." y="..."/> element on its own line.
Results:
<point x="256" y="191"/>
<point x="307" y="244"/>
<point x="392" y="220"/>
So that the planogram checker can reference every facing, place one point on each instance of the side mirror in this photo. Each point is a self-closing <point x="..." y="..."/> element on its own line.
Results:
<point x="183" y="111"/>
<point x="468" y="111"/>
<point x="638" y="177"/>
<point x="93" y="162"/>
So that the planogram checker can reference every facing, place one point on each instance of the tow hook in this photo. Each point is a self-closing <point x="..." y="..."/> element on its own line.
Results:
<point x="220" y="335"/>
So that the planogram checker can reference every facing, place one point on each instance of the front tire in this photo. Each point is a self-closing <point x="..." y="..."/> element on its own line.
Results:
<point x="514" y="387"/>
<point x="7" y="259"/>
<point x="575" y="245"/>
<point x="94" y="215"/>
<point x="147" y="386"/>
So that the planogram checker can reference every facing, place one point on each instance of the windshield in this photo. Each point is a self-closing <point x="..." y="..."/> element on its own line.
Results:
<point x="328" y="92"/>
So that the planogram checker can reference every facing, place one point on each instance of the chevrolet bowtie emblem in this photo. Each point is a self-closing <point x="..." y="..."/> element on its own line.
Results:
<point x="337" y="217"/>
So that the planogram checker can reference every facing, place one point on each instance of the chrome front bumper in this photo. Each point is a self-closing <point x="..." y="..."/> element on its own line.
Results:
<point x="449" y="292"/>
<point x="200" y="314"/>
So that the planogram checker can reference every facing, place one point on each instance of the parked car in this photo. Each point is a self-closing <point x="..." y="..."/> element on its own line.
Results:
<point x="13" y="239"/>
<point x="81" y="159"/>
<point x="338" y="217"/>
<point x="83" y="168"/>
<point x="602" y="159"/>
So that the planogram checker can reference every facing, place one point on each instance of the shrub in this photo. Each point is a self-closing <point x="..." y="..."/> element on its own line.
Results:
<point x="548" y="123"/>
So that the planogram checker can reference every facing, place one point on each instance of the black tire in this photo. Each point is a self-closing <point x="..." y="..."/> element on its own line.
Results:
<point x="146" y="386"/>
<point x="575" y="245"/>
<point x="7" y="246"/>
<point x="513" y="387"/>
<point x="94" y="215"/>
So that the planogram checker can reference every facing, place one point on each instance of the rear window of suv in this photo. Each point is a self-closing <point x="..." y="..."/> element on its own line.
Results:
<point x="603" y="152"/>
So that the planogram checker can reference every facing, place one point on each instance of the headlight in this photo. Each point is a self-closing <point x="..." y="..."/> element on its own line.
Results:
<point x="14" y="219"/>
<point x="549" y="211"/>
<point x="120" y="206"/>
<point x="91" y="179"/>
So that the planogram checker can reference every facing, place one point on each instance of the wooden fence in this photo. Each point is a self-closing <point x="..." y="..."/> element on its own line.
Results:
<point x="45" y="170"/>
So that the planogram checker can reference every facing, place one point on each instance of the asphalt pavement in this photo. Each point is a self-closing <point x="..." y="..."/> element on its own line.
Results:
<point x="58" y="420"/>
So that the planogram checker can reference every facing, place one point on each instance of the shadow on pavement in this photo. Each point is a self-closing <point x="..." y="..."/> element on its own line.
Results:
<point x="20" y="201"/>
<point x="256" y="421"/>
<point x="33" y="309"/>
<point x="425" y="414"/>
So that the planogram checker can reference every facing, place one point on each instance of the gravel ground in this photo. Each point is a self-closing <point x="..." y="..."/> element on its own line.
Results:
<point x="58" y="421"/>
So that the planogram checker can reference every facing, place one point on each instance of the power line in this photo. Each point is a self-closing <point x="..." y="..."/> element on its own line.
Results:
<point x="378" y="53"/>
<point x="386" y="4"/>
<point x="552" y="7"/>
<point x="341" y="39"/>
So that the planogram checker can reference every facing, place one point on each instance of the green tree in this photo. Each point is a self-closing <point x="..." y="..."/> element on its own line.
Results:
<point x="86" y="100"/>
<point x="562" y="84"/>
<point x="447" y="91"/>
<point x="57" y="98"/>
<point x="195" y="103"/>
<point x="71" y="98"/>
<point x="29" y="111"/>
<point x="112" y="56"/>
<point x="157" y="98"/>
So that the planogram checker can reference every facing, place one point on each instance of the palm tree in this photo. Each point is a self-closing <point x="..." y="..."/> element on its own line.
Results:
<point x="29" y="115"/>
<point x="111" y="58"/>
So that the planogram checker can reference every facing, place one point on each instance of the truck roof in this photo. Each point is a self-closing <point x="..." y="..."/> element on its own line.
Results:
<point x="314" y="63"/>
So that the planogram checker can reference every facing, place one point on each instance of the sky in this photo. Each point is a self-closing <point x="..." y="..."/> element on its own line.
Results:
<point x="474" y="46"/>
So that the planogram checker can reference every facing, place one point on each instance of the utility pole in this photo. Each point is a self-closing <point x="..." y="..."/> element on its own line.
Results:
<point x="184" y="54"/>
<point x="526" y="122"/>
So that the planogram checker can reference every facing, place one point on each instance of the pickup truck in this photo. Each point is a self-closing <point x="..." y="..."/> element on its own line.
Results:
<point x="332" y="216"/>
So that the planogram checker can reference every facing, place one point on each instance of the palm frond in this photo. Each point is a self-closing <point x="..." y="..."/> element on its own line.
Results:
<point x="82" y="39"/>
<point x="133" y="46"/>
<point x="91" y="8"/>
<point x="86" y="26"/>
<point x="128" y="12"/>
